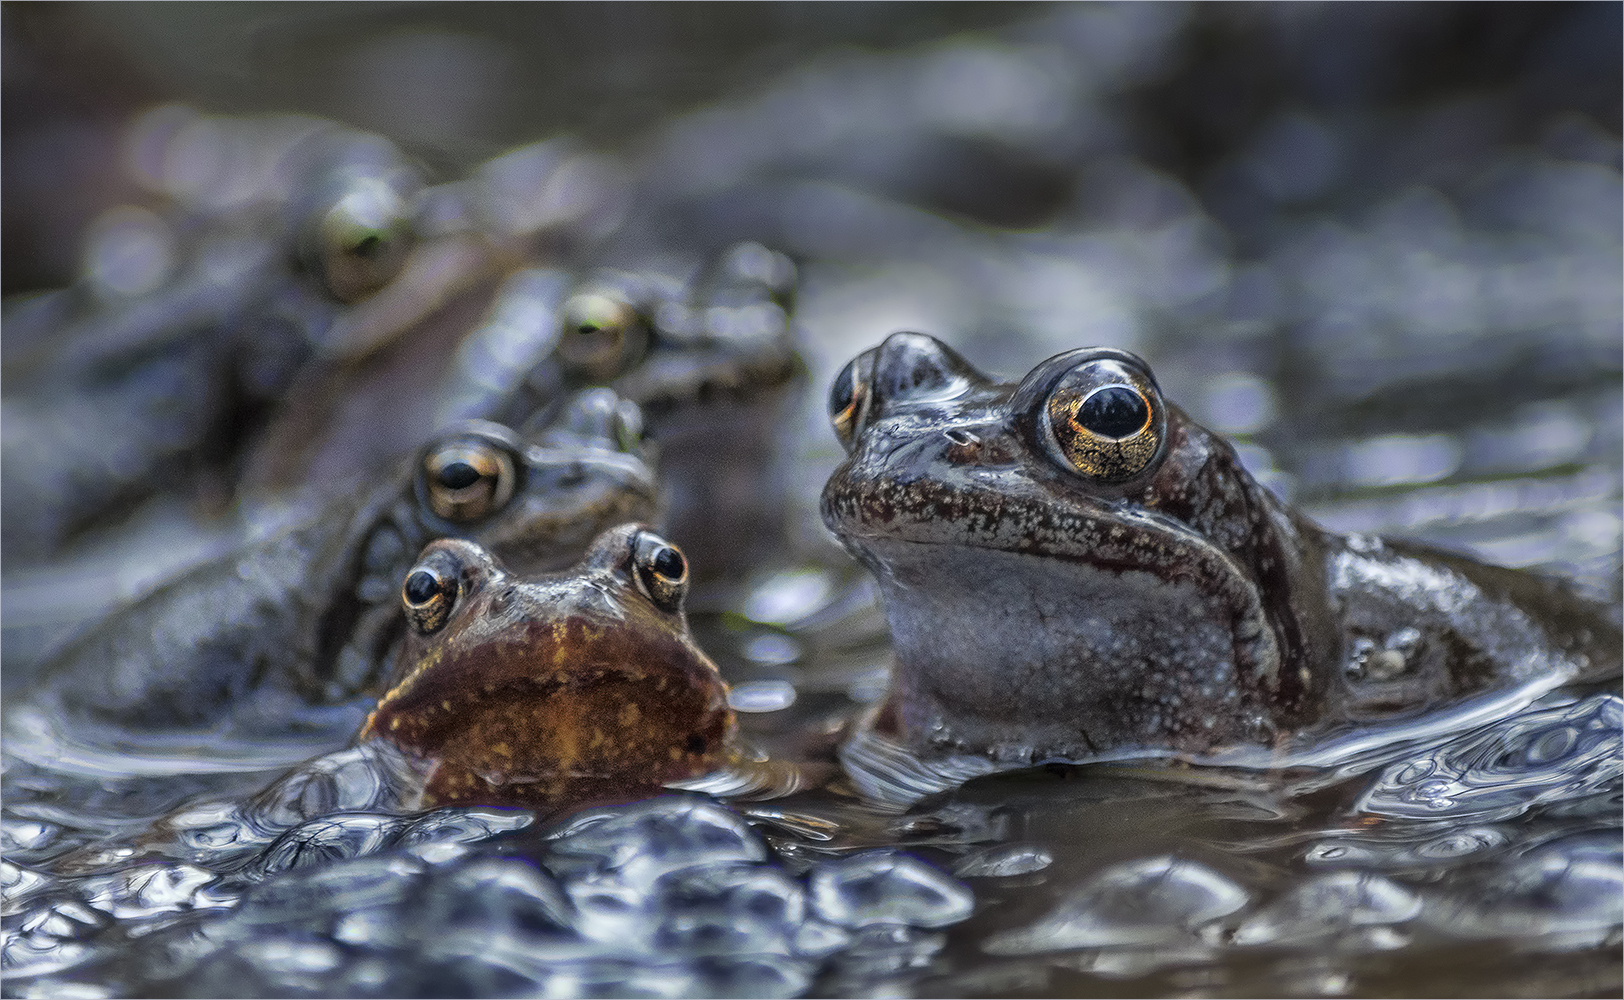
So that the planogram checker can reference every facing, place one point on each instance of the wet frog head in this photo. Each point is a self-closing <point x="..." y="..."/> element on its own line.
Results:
<point x="1072" y="567"/>
<point x="582" y="684"/>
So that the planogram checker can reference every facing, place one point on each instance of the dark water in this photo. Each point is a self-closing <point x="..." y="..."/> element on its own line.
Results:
<point x="1380" y="247"/>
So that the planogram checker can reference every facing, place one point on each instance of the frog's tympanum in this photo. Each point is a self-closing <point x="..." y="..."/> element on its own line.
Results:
<point x="256" y="642"/>
<point x="1073" y="568"/>
<point x="583" y="684"/>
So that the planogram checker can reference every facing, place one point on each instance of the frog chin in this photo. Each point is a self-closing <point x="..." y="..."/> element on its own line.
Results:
<point x="1067" y="657"/>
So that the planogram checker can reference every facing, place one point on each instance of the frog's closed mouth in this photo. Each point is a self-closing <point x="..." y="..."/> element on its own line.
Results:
<point x="578" y="684"/>
<point x="1072" y="568"/>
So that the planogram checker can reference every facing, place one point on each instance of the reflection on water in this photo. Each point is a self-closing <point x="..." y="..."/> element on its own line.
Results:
<point x="1398" y="289"/>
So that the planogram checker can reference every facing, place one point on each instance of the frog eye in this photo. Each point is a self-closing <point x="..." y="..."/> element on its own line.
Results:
<point x="601" y="335"/>
<point x="467" y="479"/>
<point x="849" y="398"/>
<point x="358" y="243"/>
<point x="661" y="571"/>
<point x="1104" y="418"/>
<point x="428" y="595"/>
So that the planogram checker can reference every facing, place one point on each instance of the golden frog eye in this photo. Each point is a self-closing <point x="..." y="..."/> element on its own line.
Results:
<point x="849" y="397"/>
<point x="661" y="571"/>
<point x="360" y="241"/>
<point x="1105" y="419"/>
<point x="428" y="595"/>
<point x="601" y="336"/>
<point x="467" y="479"/>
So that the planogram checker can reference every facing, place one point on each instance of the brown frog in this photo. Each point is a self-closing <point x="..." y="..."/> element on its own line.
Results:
<point x="580" y="685"/>
<point x="1073" y="568"/>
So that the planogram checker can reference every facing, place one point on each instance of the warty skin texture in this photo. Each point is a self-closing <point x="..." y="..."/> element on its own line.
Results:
<point x="1039" y="612"/>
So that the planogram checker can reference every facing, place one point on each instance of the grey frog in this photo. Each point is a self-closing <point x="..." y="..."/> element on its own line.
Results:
<point x="1073" y="568"/>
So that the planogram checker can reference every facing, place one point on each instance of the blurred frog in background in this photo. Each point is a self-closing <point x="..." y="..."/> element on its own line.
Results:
<point x="287" y="246"/>
<point x="707" y="351"/>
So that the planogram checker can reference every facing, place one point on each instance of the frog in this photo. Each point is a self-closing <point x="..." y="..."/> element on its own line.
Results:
<point x="291" y="260"/>
<point x="706" y="347"/>
<point x="285" y="636"/>
<point x="1073" y="570"/>
<point x="549" y="690"/>
<point x="712" y="361"/>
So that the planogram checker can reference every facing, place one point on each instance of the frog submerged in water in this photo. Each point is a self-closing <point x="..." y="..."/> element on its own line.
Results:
<point x="1073" y="569"/>
<point x="579" y="685"/>
<point x="260" y="643"/>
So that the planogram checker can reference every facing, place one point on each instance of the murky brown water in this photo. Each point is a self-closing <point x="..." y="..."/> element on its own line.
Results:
<point x="1378" y="247"/>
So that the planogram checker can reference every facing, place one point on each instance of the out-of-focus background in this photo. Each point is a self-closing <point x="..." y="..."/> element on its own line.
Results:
<point x="1376" y="245"/>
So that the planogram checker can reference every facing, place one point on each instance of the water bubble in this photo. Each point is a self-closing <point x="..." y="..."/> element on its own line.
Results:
<point x="733" y="911"/>
<point x="1003" y="861"/>
<point x="772" y="649"/>
<point x="1328" y="906"/>
<point x="500" y="894"/>
<point x="325" y="840"/>
<point x="645" y="842"/>
<point x="1501" y="770"/>
<point x="1239" y="403"/>
<point x="883" y="887"/>
<point x="1547" y="901"/>
<point x="1154" y="901"/>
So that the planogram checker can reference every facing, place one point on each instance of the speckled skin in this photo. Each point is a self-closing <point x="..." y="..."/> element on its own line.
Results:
<point x="555" y="689"/>
<point x="1040" y="614"/>
<point x="254" y="643"/>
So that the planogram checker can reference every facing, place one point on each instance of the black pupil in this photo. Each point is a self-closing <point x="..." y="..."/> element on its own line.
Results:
<point x="1114" y="412"/>
<point x="841" y="392"/>
<point x="458" y="476"/>
<point x="668" y="563"/>
<point x="421" y="587"/>
<point x="368" y="245"/>
<point x="586" y="329"/>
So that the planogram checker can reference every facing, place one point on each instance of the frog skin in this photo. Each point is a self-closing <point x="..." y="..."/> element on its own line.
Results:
<point x="263" y="640"/>
<point x="578" y="685"/>
<point x="113" y="396"/>
<point x="1072" y="569"/>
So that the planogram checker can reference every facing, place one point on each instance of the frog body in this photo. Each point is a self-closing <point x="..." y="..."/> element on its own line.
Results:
<point x="1073" y="568"/>
<point x="540" y="691"/>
